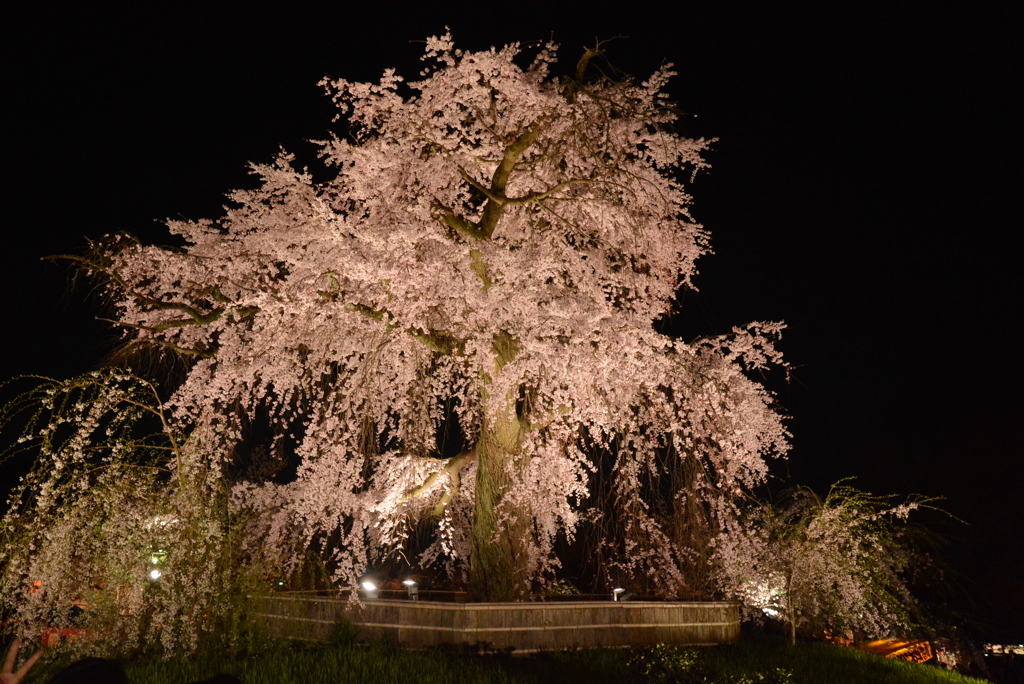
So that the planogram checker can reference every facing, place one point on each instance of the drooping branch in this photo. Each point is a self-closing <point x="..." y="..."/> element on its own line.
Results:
<point x="184" y="351"/>
<point x="193" y="315"/>
<point x="196" y="316"/>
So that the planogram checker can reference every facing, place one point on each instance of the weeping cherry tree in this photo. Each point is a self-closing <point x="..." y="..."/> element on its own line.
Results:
<point x="488" y="258"/>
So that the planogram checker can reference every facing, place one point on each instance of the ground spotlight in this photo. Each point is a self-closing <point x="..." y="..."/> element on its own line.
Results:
<point x="620" y="594"/>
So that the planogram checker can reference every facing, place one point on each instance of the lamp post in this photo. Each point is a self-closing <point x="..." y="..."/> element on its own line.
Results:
<point x="412" y="588"/>
<point x="369" y="590"/>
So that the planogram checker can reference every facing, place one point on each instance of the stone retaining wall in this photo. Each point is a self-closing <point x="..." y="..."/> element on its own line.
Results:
<point x="501" y="626"/>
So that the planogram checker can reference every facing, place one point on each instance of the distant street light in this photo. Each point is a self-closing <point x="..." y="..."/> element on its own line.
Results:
<point x="412" y="588"/>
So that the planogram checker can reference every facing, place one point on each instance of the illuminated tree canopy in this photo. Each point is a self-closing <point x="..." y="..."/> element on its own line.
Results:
<point x="824" y="565"/>
<point x="488" y="257"/>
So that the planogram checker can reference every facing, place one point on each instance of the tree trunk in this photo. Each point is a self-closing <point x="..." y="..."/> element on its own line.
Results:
<point x="692" y="531"/>
<point x="497" y="567"/>
<point x="495" y="570"/>
<point x="791" y="605"/>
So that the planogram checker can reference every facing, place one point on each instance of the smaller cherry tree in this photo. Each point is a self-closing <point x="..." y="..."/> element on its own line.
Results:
<point x="834" y="564"/>
<point x="122" y="534"/>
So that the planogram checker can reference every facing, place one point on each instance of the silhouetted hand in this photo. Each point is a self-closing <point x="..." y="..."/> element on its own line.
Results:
<point x="7" y="676"/>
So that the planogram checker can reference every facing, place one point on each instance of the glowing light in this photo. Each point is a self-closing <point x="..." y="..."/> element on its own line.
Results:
<point x="767" y="595"/>
<point x="161" y="521"/>
<point x="155" y="575"/>
<point x="369" y="589"/>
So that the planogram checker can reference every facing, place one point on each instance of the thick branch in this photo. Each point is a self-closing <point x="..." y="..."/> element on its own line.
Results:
<point x="492" y="210"/>
<point x="451" y="468"/>
<point x="581" y="70"/>
<point x="479" y="267"/>
<point x="433" y="340"/>
<point x="495" y="194"/>
<point x="466" y="229"/>
<point x="447" y="497"/>
<point x="528" y="198"/>
<point x="535" y="197"/>
<point x="440" y="342"/>
<point x="491" y="195"/>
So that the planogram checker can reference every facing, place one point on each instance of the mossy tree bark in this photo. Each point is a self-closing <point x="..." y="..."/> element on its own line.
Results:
<point x="499" y="536"/>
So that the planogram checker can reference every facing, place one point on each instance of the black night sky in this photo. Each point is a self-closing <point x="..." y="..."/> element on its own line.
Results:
<point x="865" y="188"/>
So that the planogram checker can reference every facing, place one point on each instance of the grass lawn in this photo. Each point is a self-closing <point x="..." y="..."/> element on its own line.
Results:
<point x="744" y="663"/>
